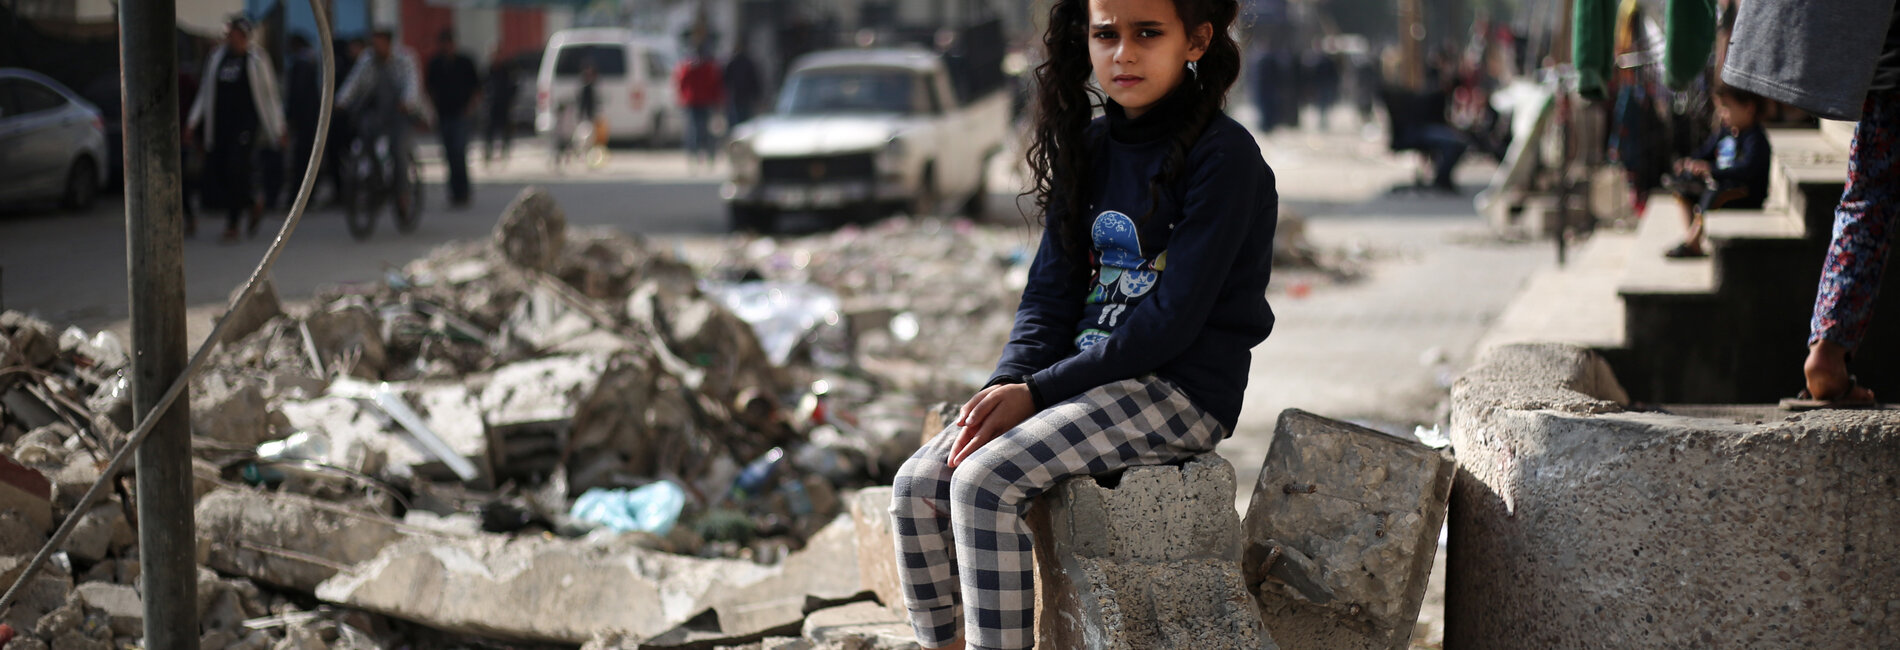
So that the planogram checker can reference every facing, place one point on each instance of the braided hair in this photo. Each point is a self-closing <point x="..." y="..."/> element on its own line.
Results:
<point x="1058" y="151"/>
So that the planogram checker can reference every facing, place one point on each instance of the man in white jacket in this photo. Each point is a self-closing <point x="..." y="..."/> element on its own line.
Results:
<point x="237" y="110"/>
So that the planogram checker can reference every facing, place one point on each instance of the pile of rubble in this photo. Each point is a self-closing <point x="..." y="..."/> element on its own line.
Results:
<point x="550" y="437"/>
<point x="563" y="412"/>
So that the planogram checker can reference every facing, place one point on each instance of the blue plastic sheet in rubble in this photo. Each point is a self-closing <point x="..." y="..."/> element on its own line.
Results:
<point x="652" y="508"/>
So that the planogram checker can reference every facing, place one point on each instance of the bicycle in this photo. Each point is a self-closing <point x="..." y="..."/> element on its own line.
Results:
<point x="370" y="180"/>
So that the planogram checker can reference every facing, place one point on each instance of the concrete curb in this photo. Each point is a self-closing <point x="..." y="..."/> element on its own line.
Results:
<point x="1577" y="523"/>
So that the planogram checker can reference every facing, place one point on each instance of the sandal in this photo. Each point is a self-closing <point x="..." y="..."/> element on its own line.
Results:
<point x="1807" y="402"/>
<point x="1683" y="251"/>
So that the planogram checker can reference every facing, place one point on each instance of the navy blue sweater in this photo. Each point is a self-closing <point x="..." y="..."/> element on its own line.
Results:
<point x="1739" y="158"/>
<point x="1181" y="294"/>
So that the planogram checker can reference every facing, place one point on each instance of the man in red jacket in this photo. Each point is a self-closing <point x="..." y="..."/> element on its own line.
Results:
<point x="702" y="90"/>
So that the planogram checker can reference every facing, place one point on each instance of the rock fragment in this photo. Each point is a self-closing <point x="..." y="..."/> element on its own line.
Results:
<point x="532" y="230"/>
<point x="1342" y="532"/>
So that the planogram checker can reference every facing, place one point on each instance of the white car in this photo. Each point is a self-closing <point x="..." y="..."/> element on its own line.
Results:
<point x="52" y="143"/>
<point x="634" y="83"/>
<point x="865" y="132"/>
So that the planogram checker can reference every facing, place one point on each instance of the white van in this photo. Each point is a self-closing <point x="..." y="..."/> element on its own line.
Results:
<point x="634" y="86"/>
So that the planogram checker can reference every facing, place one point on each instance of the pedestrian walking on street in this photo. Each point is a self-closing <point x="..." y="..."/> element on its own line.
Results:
<point x="1132" y="341"/>
<point x="303" y="85"/>
<point x="454" y="87"/>
<point x="745" y="90"/>
<point x="701" y="88"/>
<point x="1839" y="61"/>
<point x="237" y="111"/>
<point x="498" y="91"/>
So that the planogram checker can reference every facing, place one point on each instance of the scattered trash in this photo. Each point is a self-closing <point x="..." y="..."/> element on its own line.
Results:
<point x="654" y="508"/>
<point x="1431" y="437"/>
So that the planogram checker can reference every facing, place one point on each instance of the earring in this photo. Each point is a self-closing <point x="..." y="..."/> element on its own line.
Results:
<point x="1194" y="70"/>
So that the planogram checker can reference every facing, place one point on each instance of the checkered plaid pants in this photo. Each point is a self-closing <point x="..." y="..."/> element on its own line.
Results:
<point x="963" y="549"/>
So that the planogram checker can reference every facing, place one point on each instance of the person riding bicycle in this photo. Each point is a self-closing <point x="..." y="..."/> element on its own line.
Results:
<point x="382" y="91"/>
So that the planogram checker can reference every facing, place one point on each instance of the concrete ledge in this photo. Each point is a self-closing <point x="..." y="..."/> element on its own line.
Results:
<point x="1576" y="524"/>
<point x="1648" y="273"/>
<point x="1736" y="225"/>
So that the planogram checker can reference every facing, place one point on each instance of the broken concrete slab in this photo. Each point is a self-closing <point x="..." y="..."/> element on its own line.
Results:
<point x="287" y="540"/>
<point x="120" y="603"/>
<point x="530" y="409"/>
<point x="532" y="230"/>
<point x="859" y="626"/>
<point x="453" y="413"/>
<point x="564" y="591"/>
<point x="1152" y="561"/>
<point x="348" y="338"/>
<point x="60" y="621"/>
<point x="48" y="590"/>
<point x="263" y="306"/>
<point x="357" y="436"/>
<point x="101" y="531"/>
<point x="877" y="546"/>
<point x="33" y="341"/>
<point x="528" y="589"/>
<point x="26" y="491"/>
<point x="77" y="640"/>
<point x="1342" y="531"/>
<point x="821" y="573"/>
<point x="230" y="410"/>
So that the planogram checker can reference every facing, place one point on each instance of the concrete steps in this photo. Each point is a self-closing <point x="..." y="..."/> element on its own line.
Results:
<point x="1728" y="328"/>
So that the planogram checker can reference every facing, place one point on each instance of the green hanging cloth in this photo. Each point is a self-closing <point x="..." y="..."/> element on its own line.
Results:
<point x="1689" y="37"/>
<point x="1592" y="45"/>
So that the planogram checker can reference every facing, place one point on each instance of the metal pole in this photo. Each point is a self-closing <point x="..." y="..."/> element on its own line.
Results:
<point x="154" y="237"/>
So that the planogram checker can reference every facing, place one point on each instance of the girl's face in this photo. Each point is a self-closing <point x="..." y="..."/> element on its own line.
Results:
<point x="1140" y="50"/>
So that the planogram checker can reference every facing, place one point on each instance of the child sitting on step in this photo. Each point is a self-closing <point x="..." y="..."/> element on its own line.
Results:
<point x="1730" y="171"/>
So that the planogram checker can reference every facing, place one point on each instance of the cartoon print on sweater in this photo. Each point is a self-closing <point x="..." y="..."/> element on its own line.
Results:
<point x="1122" y="275"/>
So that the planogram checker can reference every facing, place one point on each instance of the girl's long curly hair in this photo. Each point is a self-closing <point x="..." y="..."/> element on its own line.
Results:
<point x="1059" y="150"/>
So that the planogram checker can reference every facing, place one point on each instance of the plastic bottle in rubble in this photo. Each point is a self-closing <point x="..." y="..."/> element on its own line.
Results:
<point x="757" y="474"/>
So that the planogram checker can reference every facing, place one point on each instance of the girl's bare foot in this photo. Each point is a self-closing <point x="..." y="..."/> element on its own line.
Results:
<point x="954" y="645"/>
<point x="1826" y="371"/>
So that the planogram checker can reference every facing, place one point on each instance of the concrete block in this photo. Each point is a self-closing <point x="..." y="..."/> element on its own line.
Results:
<point x="454" y="414"/>
<point x="1342" y="532"/>
<point x="101" y="530"/>
<point x="877" y="546"/>
<point x="532" y="230"/>
<point x="262" y="307"/>
<point x="45" y="593"/>
<point x="76" y="640"/>
<point x="25" y="490"/>
<point x="1575" y="524"/>
<point x="121" y="605"/>
<point x="18" y="534"/>
<point x="349" y="339"/>
<point x="1151" y="562"/>
<point x="859" y="626"/>
<point x="230" y="410"/>
<point x="286" y="540"/>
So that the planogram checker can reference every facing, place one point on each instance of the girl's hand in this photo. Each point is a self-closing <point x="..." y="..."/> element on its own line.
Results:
<point x="991" y="412"/>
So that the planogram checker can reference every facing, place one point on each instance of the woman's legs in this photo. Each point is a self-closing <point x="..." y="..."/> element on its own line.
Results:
<point x="1863" y="236"/>
<point x="961" y="540"/>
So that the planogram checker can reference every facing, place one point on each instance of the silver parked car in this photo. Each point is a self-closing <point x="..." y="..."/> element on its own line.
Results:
<point x="52" y="142"/>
